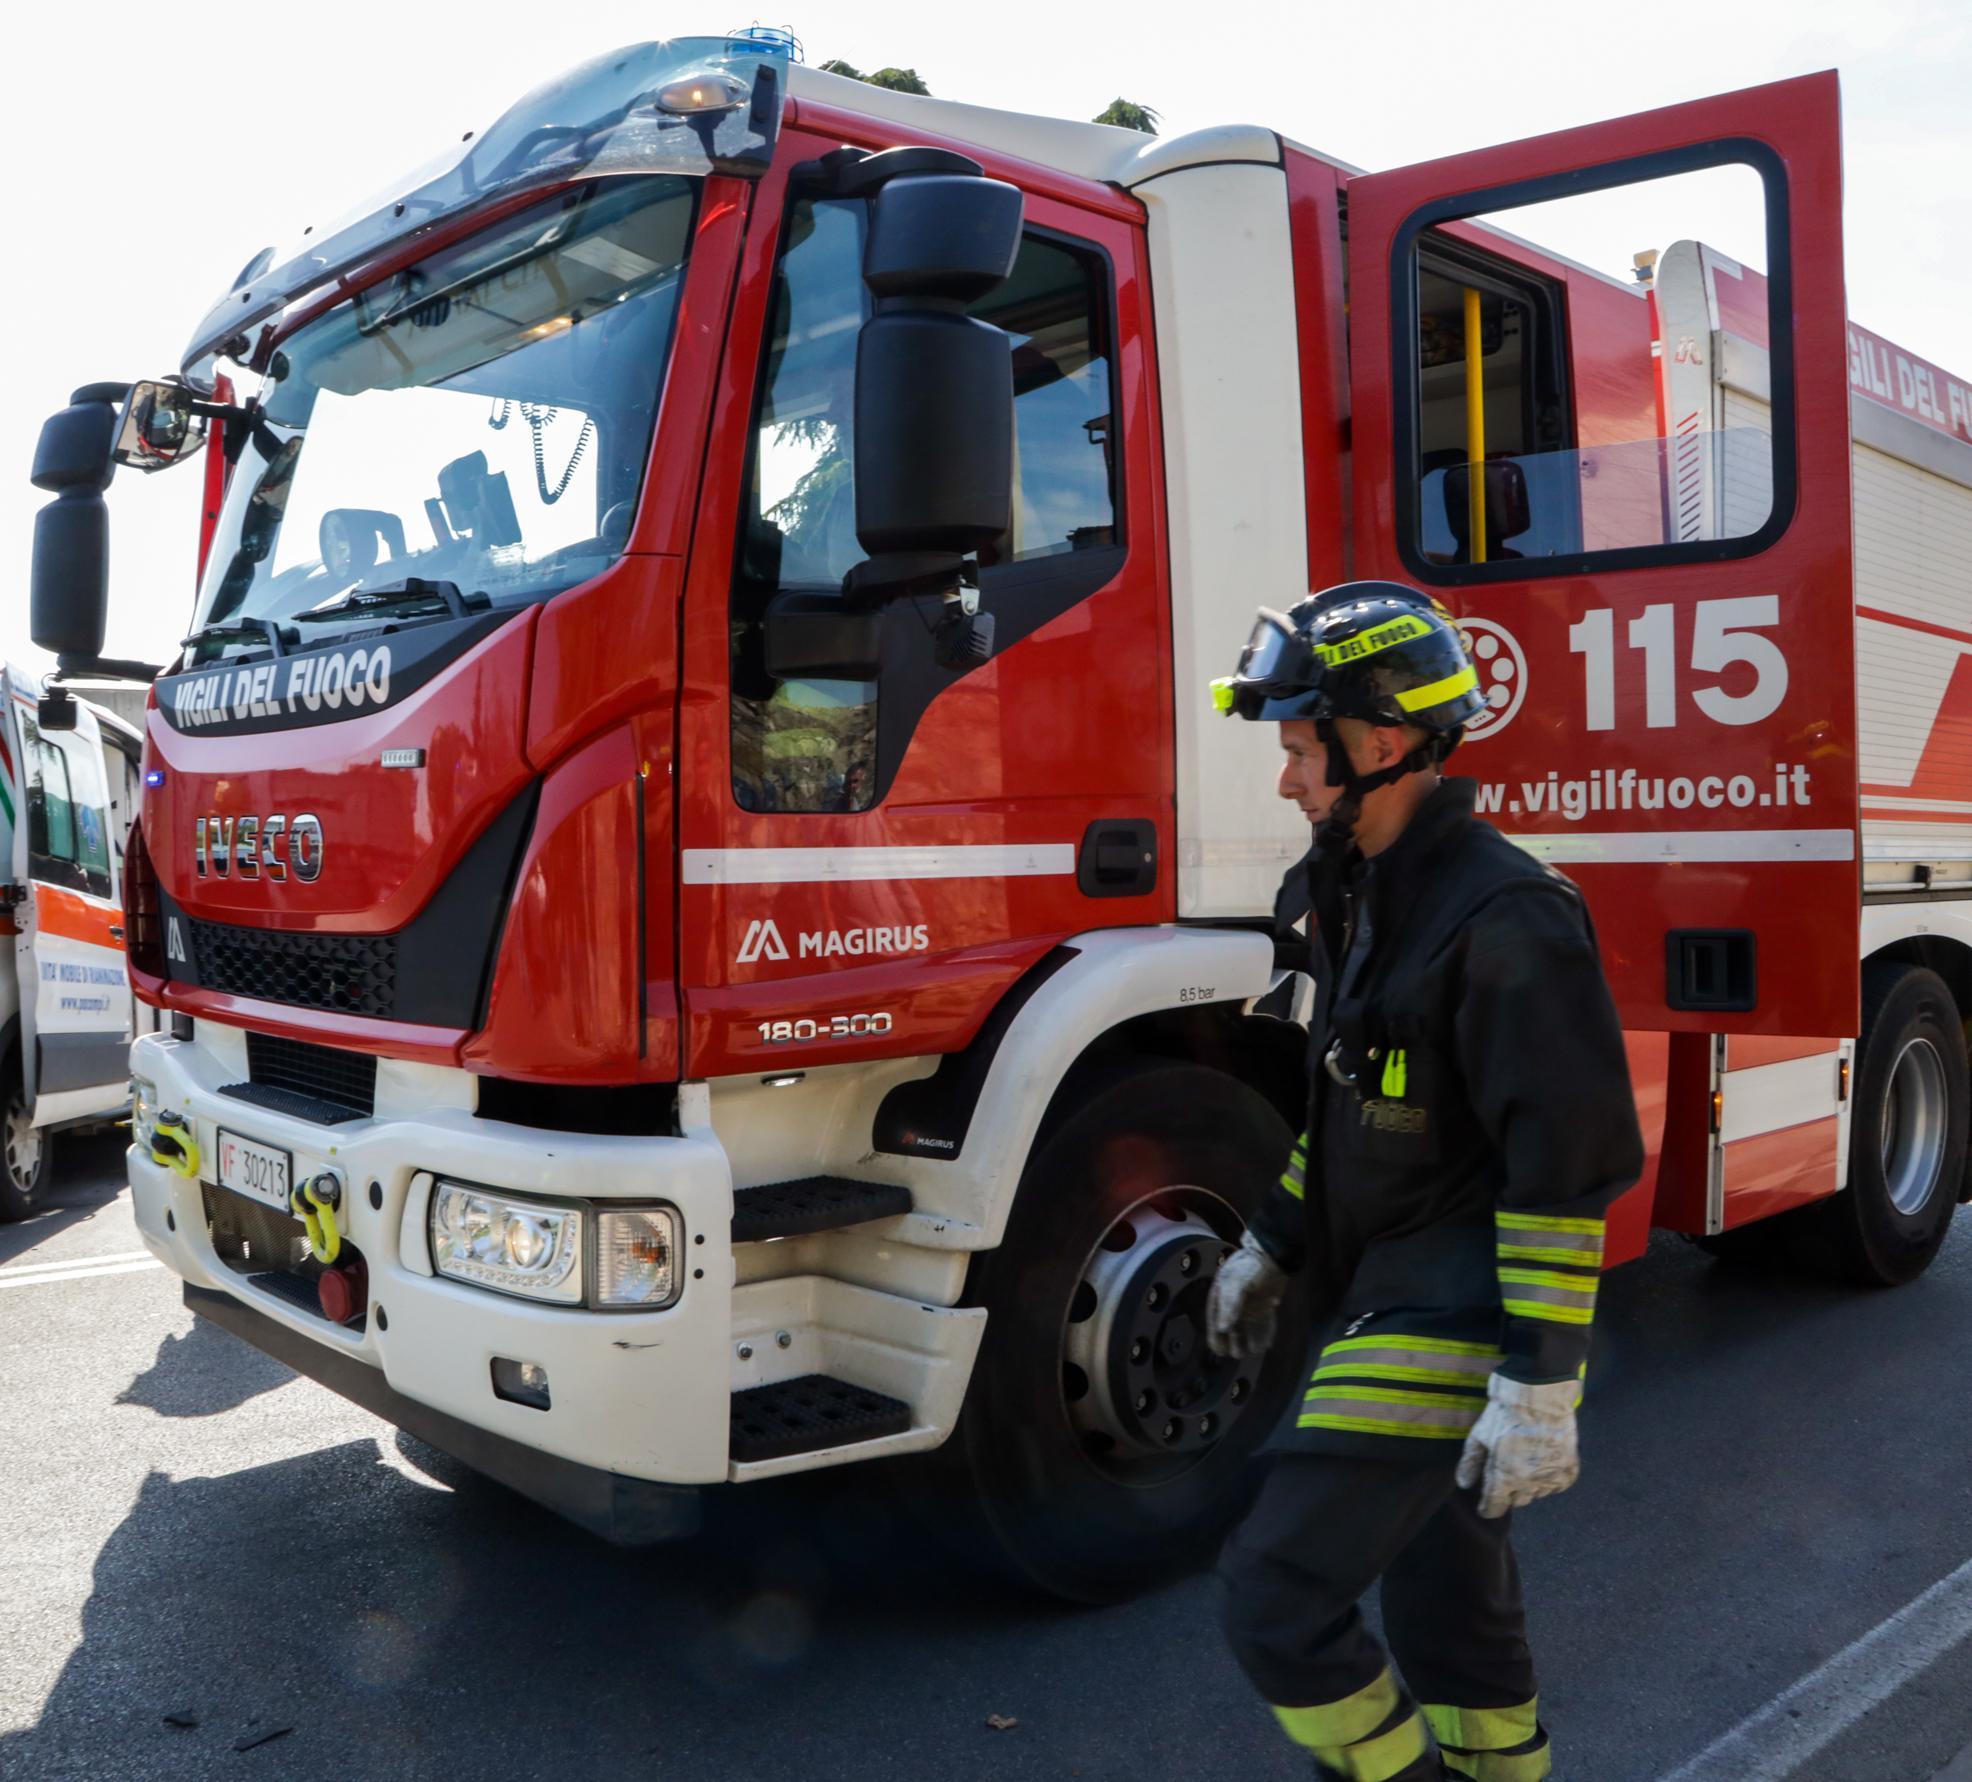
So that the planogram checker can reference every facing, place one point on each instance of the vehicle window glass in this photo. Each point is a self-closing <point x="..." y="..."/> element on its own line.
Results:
<point x="68" y="838"/>
<point x="1515" y="309"/>
<point x="810" y="745"/>
<point x="481" y="418"/>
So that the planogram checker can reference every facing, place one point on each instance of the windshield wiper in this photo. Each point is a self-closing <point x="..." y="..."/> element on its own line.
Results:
<point x="265" y="629"/>
<point x="411" y="592"/>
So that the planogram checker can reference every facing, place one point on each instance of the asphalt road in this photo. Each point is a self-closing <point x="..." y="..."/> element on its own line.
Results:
<point x="1774" y="1467"/>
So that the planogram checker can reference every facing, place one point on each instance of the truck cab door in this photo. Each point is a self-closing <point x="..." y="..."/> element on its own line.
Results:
<point x="75" y="1006"/>
<point x="1654" y="575"/>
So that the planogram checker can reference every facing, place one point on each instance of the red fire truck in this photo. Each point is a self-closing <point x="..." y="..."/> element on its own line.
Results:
<point x="706" y="924"/>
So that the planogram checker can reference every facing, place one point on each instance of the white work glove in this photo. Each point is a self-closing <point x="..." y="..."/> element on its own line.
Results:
<point x="1239" y="1316"/>
<point x="1523" y="1446"/>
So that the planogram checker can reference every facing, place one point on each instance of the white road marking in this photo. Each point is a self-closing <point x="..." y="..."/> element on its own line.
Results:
<point x="80" y="1271"/>
<point x="1776" y="1742"/>
<point x="41" y="1268"/>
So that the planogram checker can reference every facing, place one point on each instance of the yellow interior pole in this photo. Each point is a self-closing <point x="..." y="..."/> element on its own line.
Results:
<point x="1475" y="429"/>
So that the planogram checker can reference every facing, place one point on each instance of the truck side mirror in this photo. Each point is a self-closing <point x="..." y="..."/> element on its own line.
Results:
<point x="159" y="426"/>
<point x="69" y="583"/>
<point x="934" y="386"/>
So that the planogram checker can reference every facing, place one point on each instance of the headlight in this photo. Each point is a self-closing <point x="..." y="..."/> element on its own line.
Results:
<point x="636" y="1257"/>
<point x="143" y="1112"/>
<point x="513" y="1246"/>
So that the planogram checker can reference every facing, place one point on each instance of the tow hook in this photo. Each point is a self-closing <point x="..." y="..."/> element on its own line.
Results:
<point x="173" y="1145"/>
<point x="315" y="1203"/>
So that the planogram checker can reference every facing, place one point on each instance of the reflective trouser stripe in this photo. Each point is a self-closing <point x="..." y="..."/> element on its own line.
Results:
<point x="1502" y="1766"/>
<point x="1332" y="1724"/>
<point x="1422" y="1345"/>
<point x="1395" y="1359"/>
<point x="1377" y="1751"/>
<point x="1545" y="1293"/>
<point x="1484" y="1729"/>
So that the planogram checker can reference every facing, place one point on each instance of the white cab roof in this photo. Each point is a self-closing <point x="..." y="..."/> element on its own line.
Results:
<point x="1089" y="151"/>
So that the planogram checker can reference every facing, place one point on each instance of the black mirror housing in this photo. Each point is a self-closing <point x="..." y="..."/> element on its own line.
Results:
<point x="69" y="583"/>
<point x="934" y="386"/>
<point x="55" y="710"/>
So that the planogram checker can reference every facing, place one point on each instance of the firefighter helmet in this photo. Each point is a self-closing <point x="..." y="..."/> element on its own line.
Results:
<point x="1378" y="651"/>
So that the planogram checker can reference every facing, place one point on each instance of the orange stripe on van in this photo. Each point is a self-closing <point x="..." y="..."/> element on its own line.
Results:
<point x="75" y="917"/>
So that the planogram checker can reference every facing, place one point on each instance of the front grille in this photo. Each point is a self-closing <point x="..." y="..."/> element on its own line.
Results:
<point x="345" y="974"/>
<point x="267" y="1248"/>
<point x="346" y="1080"/>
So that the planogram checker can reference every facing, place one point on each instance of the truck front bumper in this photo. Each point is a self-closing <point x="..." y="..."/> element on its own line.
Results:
<point x="637" y="1398"/>
<point x="630" y="1512"/>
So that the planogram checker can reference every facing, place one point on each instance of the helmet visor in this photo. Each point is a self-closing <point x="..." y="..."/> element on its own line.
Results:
<point x="1275" y="657"/>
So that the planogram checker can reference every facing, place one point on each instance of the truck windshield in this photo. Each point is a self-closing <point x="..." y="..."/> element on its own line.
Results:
<point x="480" y="418"/>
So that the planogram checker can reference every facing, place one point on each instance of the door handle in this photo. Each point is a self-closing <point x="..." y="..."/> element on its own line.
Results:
<point x="116" y="931"/>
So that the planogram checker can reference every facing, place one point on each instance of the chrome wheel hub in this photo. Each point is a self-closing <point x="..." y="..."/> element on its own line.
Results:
<point x="1916" y="1121"/>
<point x="1142" y="1386"/>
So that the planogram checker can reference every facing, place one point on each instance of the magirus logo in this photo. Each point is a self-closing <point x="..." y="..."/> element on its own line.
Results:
<point x="763" y="941"/>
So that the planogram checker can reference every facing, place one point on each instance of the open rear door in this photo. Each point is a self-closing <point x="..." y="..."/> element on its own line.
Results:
<point x="1655" y="581"/>
<point x="75" y="1006"/>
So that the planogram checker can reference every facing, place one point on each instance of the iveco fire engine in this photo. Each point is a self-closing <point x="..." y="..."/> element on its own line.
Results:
<point x="705" y="922"/>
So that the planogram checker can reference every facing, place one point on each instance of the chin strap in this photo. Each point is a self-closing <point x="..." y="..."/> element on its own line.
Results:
<point x="1336" y="832"/>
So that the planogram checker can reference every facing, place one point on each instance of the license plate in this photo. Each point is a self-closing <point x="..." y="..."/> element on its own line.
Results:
<point x="258" y="1171"/>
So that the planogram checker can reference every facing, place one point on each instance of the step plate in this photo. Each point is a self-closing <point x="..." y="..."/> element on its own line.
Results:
<point x="799" y="1416"/>
<point x="815" y="1203"/>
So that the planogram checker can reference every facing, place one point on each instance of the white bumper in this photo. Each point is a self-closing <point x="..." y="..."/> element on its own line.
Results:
<point x="644" y="1395"/>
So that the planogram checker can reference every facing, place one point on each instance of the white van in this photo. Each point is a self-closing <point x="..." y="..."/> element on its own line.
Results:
<point x="67" y="797"/>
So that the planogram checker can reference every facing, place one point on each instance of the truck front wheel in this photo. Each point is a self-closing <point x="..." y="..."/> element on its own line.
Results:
<point x="1103" y="1446"/>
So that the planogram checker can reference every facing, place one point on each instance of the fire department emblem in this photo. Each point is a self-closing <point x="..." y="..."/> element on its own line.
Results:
<point x="1502" y="668"/>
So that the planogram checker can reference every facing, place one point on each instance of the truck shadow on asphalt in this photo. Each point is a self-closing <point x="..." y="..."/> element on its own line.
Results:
<point x="202" y="1372"/>
<point x="406" y="1628"/>
<point x="87" y="1177"/>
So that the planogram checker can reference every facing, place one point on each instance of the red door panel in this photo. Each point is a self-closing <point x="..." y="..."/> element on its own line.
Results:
<point x="813" y="937"/>
<point x="1707" y="782"/>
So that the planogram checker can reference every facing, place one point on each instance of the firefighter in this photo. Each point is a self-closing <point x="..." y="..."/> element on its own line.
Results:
<point x="1469" y="1121"/>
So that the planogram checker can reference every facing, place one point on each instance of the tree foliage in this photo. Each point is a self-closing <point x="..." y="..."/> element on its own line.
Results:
<point x="898" y="80"/>
<point x="1129" y="115"/>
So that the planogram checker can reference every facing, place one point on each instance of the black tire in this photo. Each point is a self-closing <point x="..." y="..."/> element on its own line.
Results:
<point x="1885" y="1227"/>
<point x="1155" y="1150"/>
<point x="26" y="1155"/>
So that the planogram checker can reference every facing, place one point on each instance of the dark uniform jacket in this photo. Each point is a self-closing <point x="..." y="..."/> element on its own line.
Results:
<point x="1470" y="1119"/>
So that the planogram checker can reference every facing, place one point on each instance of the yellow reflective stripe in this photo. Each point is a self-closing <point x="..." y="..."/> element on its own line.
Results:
<point x="1394" y="1073"/>
<point x="1547" y="1277"/>
<point x="1384" y="1370"/>
<point x="1398" y="1395"/>
<point x="1484" y="1729"/>
<point x="1428" y="1345"/>
<point x="1388" y="1754"/>
<point x="1367" y="643"/>
<point x="1419" y="699"/>
<point x="1545" y="1222"/>
<point x="1328" y="1725"/>
<point x="1502" y="1766"/>
<point x="1541" y="1253"/>
<point x="1554" y="1314"/>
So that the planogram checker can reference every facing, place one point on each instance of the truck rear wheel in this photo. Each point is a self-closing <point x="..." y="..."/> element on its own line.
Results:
<point x="1103" y="1447"/>
<point x="1907" y="1133"/>
<point x="26" y="1153"/>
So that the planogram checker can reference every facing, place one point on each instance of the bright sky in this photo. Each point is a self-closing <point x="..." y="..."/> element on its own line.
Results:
<point x="137" y="196"/>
